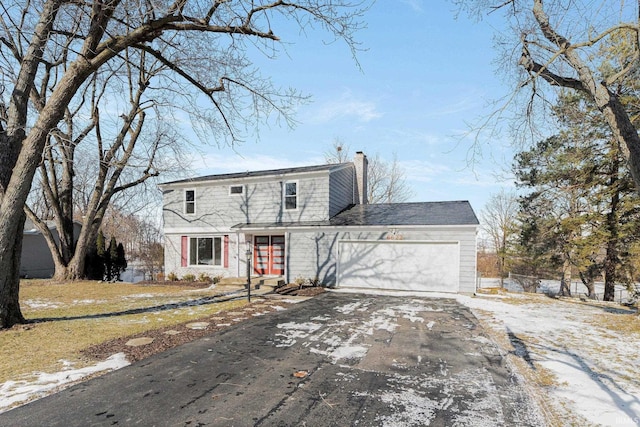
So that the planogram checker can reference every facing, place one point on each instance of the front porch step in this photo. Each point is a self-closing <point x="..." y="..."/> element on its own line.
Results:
<point x="255" y="280"/>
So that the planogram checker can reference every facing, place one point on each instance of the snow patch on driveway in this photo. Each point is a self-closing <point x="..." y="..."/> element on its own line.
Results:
<point x="294" y="331"/>
<point x="408" y="397"/>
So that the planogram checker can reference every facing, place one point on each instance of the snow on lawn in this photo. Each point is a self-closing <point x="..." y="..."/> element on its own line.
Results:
<point x="596" y="369"/>
<point x="13" y="392"/>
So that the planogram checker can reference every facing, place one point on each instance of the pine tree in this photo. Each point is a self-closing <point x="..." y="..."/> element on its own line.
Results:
<point x="98" y="260"/>
<point x="120" y="261"/>
<point x="581" y="212"/>
<point x="110" y="259"/>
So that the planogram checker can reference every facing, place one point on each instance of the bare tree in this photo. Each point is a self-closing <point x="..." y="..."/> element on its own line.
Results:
<point x="124" y="158"/>
<point x="499" y="222"/>
<point x="150" y="250"/>
<point x="389" y="184"/>
<point x="338" y="153"/>
<point x="559" y="45"/>
<point x="51" y="49"/>
<point x="386" y="182"/>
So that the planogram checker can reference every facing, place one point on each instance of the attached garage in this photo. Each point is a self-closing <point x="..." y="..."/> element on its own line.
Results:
<point x="429" y="247"/>
<point x="399" y="265"/>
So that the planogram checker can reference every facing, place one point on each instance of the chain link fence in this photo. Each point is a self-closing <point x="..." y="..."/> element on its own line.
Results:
<point x="533" y="284"/>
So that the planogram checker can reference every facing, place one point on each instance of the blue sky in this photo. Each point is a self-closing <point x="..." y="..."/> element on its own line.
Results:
<point x="424" y="77"/>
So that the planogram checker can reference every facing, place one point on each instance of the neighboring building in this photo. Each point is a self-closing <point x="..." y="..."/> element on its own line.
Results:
<point x="314" y="222"/>
<point x="36" y="261"/>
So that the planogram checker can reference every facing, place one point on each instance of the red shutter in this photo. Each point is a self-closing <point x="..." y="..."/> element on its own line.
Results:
<point x="184" y="251"/>
<point x="226" y="251"/>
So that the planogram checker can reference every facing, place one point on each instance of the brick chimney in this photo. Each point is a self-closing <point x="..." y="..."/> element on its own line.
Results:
<point x="361" y="163"/>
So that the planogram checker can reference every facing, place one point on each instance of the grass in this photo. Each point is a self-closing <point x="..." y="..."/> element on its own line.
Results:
<point x="73" y="316"/>
<point x="624" y="324"/>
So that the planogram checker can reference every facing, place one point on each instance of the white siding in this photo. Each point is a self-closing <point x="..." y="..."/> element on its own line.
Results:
<point x="314" y="253"/>
<point x="262" y="202"/>
<point x="173" y="256"/>
<point x="341" y="190"/>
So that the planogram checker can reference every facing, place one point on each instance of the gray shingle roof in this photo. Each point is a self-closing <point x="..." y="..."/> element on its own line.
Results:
<point x="391" y="214"/>
<point x="419" y="213"/>
<point x="252" y="174"/>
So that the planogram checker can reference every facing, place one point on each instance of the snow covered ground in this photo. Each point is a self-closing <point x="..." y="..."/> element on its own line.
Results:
<point x="20" y="391"/>
<point x="596" y="368"/>
<point x="553" y="287"/>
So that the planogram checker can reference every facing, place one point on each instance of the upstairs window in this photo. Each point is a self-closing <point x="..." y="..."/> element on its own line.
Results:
<point x="291" y="195"/>
<point x="190" y="201"/>
<point x="236" y="190"/>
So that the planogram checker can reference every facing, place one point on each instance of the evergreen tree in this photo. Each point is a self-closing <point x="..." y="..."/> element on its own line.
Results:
<point x="94" y="265"/>
<point x="98" y="260"/>
<point x="110" y="257"/>
<point x="120" y="261"/>
<point x="581" y="211"/>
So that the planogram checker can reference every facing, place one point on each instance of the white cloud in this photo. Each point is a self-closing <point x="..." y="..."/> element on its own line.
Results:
<point x="466" y="104"/>
<point x="347" y="106"/>
<point x="424" y="171"/>
<point x="415" y="5"/>
<point x="416" y="136"/>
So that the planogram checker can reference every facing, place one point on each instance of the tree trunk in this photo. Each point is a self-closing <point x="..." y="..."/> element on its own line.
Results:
<point x="76" y="268"/>
<point x="16" y="181"/>
<point x="565" y="283"/>
<point x="588" y="282"/>
<point x="591" y="289"/>
<point x="10" y="313"/>
<point x="610" y="262"/>
<point x="611" y="256"/>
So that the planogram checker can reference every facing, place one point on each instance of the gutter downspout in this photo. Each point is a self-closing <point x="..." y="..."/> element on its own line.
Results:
<point x="237" y="253"/>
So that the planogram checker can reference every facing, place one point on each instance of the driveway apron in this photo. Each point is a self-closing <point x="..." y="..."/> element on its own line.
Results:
<point x="335" y="360"/>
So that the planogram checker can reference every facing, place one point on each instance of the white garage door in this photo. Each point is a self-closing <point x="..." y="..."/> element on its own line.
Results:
<point x="399" y="265"/>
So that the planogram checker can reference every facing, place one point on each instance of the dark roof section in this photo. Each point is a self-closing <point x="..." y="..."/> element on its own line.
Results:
<point x="392" y="214"/>
<point x="424" y="213"/>
<point x="252" y="174"/>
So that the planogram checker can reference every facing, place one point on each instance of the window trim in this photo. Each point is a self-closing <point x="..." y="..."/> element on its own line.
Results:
<point x="284" y="195"/>
<point x="237" y="194"/>
<point x="186" y="202"/>
<point x="213" y="251"/>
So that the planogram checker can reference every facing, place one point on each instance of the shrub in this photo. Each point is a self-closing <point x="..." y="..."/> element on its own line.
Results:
<point x="203" y="277"/>
<point x="189" y="278"/>
<point x="172" y="277"/>
<point x="160" y="277"/>
<point x="299" y="280"/>
<point x="217" y="278"/>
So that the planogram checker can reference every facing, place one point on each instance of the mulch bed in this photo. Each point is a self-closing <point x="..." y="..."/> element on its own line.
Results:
<point x="173" y="336"/>
<point x="293" y="289"/>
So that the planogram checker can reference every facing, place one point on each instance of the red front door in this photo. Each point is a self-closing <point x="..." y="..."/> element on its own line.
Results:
<point x="268" y="258"/>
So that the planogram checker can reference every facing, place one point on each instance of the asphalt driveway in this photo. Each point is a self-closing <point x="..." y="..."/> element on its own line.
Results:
<point x="335" y="360"/>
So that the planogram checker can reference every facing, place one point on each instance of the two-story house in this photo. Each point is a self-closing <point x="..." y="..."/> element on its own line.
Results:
<point x="314" y="222"/>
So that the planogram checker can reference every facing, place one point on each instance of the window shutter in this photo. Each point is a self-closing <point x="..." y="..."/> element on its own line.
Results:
<point x="226" y="251"/>
<point x="184" y="251"/>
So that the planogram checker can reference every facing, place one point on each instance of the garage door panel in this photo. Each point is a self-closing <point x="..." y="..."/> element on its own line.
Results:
<point x="422" y="266"/>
